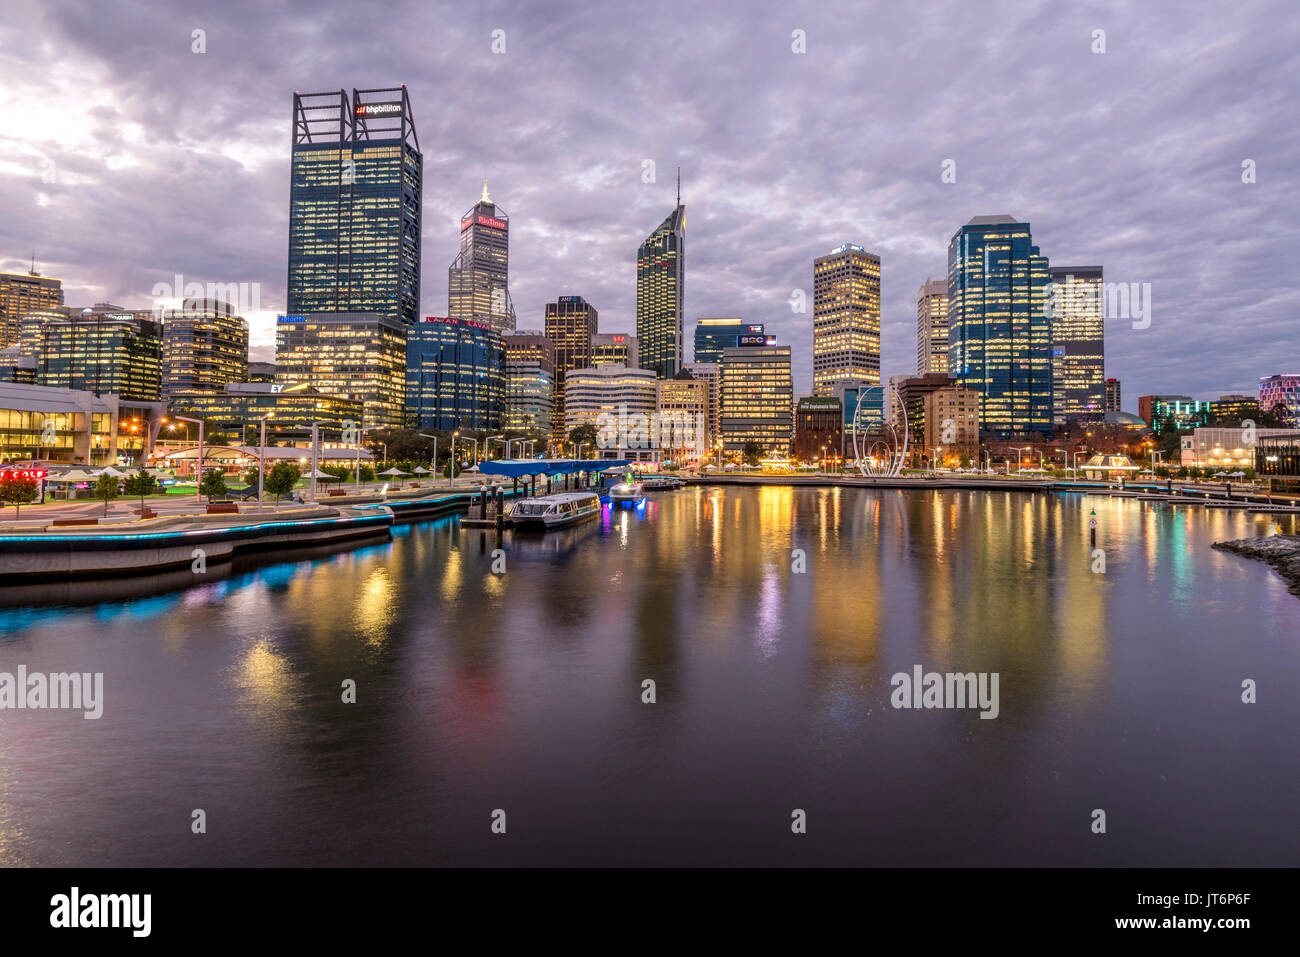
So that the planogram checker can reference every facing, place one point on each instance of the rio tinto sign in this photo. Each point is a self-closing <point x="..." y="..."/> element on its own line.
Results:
<point x="31" y="475"/>
<point x="468" y="221"/>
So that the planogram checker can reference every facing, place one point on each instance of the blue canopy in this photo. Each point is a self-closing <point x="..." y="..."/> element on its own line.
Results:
<point x="518" y="468"/>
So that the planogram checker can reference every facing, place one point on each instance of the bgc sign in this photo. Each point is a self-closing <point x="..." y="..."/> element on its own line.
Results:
<point x="755" y="340"/>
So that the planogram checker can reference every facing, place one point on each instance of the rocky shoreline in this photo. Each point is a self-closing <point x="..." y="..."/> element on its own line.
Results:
<point x="1280" y="551"/>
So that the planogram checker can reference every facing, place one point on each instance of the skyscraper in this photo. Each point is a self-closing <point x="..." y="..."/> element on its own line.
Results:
<point x="846" y="318"/>
<point x="1078" y="346"/>
<point x="571" y="326"/>
<point x="478" y="280"/>
<point x="999" y="335"/>
<point x="21" y="294"/>
<point x="1280" y="394"/>
<point x="354" y="205"/>
<point x="529" y="381"/>
<point x="104" y="350"/>
<point x="205" y="347"/>
<point x="757" y="398"/>
<point x="932" y="327"/>
<point x="454" y="375"/>
<point x="1114" y="396"/>
<point x="711" y="373"/>
<point x="356" y="355"/>
<point x="714" y="335"/>
<point x="615" y="349"/>
<point x="661" y="294"/>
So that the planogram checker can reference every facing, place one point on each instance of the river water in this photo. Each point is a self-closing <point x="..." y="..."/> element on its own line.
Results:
<point x="770" y="621"/>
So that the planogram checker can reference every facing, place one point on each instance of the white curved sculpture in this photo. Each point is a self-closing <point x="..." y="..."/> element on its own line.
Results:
<point x="895" y="452"/>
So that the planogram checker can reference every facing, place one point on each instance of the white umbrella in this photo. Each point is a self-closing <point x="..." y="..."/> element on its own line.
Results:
<point x="393" y="471"/>
<point x="109" y="470"/>
<point x="318" y="474"/>
<point x="1237" y="475"/>
<point x="1220" y="474"/>
<point x="73" y="475"/>
<point x="421" y="470"/>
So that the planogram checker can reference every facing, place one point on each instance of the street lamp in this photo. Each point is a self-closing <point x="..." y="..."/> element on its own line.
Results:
<point x="315" y="455"/>
<point x="261" y="459"/>
<point x="198" y="473"/>
<point x="451" y="467"/>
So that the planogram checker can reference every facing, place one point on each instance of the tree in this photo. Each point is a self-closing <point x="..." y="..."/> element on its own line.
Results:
<point x="584" y="434"/>
<point x="17" y="491"/>
<point x="213" y="484"/>
<point x="106" y="489"/>
<point x="367" y="472"/>
<point x="447" y="469"/>
<point x="282" y="478"/>
<point x="752" y="452"/>
<point x="141" y="484"/>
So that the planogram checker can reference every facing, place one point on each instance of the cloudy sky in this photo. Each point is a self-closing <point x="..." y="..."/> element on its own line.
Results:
<point x="127" y="158"/>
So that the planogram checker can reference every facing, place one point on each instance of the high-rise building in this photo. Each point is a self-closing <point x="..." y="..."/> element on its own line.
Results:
<point x="1281" y="394"/>
<point x="1235" y="408"/>
<point x="714" y="335"/>
<point x="711" y="373"/>
<point x="571" y="326"/>
<point x="478" y="280"/>
<point x="529" y="381"/>
<point x="910" y="397"/>
<point x="846" y="318"/>
<point x="952" y="426"/>
<point x="932" y="327"/>
<point x="661" y="295"/>
<point x="454" y="375"/>
<point x="1177" y="412"/>
<point x="615" y="349"/>
<point x="1114" y="396"/>
<point x="21" y="294"/>
<point x="354" y="205"/>
<point x="16" y="367"/>
<point x="1078" y="344"/>
<point x="104" y="350"/>
<point x="356" y="355"/>
<point x="683" y="417"/>
<point x="999" y="333"/>
<point x="205" y="347"/>
<point x="757" y="398"/>
<point x="620" y="403"/>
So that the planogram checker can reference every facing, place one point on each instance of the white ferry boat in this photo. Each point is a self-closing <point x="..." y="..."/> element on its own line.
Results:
<point x="553" y="511"/>
<point x="626" y="491"/>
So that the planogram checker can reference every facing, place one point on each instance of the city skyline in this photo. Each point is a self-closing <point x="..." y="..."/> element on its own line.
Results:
<point x="1108" y="176"/>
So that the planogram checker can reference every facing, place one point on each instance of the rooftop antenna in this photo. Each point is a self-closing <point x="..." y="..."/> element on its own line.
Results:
<point x="679" y="186"/>
<point x="33" y="271"/>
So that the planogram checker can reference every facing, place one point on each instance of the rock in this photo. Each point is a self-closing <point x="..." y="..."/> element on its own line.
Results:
<point x="1280" y="551"/>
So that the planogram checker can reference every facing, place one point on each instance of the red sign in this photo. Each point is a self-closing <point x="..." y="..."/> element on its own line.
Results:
<point x="489" y="221"/>
<point x="618" y="338"/>
<point x="466" y="223"/>
<point x="35" y="475"/>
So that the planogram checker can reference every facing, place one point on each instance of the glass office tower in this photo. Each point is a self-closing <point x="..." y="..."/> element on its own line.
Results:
<point x="757" y="399"/>
<point x="846" y="318"/>
<point x="661" y="295"/>
<point x="714" y="335"/>
<point x="356" y="355"/>
<point x="454" y="375"/>
<point x="1078" y="344"/>
<point x="354" y="205"/>
<point x="21" y="294"/>
<point x="205" y="347"/>
<point x="104" y="350"/>
<point x="478" y="280"/>
<point x="932" y="327"/>
<point x="999" y="333"/>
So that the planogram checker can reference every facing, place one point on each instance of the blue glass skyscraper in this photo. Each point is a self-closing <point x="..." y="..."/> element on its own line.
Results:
<point x="454" y="375"/>
<point x="999" y="331"/>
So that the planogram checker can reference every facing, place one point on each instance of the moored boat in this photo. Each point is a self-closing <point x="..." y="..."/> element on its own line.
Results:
<point x="554" y="511"/>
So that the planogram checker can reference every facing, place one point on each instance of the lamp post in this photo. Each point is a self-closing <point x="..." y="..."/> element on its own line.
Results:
<point x="261" y="459"/>
<point x="451" y="467"/>
<point x="315" y="455"/>
<point x="198" y="473"/>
